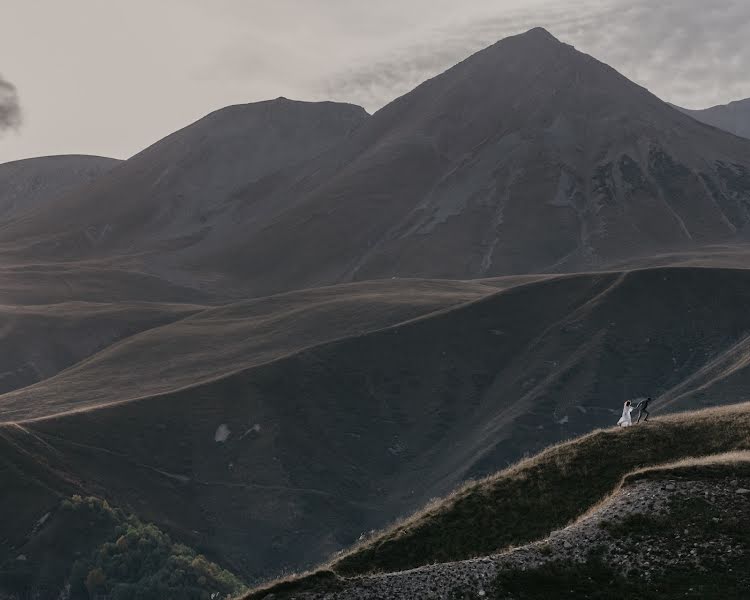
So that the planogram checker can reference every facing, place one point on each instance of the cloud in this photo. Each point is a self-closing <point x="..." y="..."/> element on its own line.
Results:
<point x="10" y="110"/>
<point x="690" y="52"/>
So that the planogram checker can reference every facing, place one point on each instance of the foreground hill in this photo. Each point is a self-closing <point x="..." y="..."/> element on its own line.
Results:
<point x="733" y="117"/>
<point x="527" y="157"/>
<point x="277" y="458"/>
<point x="665" y="528"/>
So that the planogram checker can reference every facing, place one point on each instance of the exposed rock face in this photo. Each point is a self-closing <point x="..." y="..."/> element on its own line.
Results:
<point x="644" y="557"/>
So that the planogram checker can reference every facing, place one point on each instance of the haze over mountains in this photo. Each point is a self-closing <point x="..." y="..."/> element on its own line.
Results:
<point x="290" y="322"/>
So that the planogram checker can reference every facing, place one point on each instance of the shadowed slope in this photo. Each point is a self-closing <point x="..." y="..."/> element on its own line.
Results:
<point x="219" y="341"/>
<point x="36" y="342"/>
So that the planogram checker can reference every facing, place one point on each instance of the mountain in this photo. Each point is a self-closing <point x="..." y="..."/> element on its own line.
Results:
<point x="733" y="117"/>
<point x="35" y="182"/>
<point x="527" y="157"/>
<point x="180" y="192"/>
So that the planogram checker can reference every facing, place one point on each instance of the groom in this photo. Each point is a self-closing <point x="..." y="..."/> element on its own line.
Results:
<point x="642" y="407"/>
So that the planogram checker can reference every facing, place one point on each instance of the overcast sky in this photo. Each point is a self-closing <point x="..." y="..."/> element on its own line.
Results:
<point x="111" y="77"/>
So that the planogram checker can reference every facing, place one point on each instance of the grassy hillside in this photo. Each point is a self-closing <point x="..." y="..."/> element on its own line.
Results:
<point x="40" y="340"/>
<point x="219" y="341"/>
<point x="534" y="497"/>
<point x="539" y="495"/>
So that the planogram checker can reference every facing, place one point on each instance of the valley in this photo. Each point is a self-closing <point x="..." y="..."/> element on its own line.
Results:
<point x="265" y="341"/>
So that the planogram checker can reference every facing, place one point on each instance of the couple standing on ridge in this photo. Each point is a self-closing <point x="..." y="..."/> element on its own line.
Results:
<point x="626" y="420"/>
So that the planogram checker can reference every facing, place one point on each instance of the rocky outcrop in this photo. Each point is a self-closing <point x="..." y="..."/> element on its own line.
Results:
<point x="606" y="531"/>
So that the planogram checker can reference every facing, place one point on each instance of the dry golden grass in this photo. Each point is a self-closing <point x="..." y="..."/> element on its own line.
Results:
<point x="530" y="499"/>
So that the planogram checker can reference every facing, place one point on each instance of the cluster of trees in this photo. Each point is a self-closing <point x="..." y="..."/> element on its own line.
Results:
<point x="141" y="562"/>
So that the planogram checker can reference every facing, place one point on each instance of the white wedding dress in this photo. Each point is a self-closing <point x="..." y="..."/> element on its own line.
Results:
<point x="625" y="419"/>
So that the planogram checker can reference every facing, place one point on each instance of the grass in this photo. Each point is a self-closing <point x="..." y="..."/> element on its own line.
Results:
<point x="529" y="500"/>
<point x="536" y="496"/>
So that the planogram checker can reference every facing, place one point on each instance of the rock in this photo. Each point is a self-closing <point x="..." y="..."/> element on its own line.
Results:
<point x="742" y="491"/>
<point x="670" y="487"/>
<point x="567" y="545"/>
<point x="734" y="483"/>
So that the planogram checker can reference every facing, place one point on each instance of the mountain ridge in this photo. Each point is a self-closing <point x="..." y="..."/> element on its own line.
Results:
<point x="733" y="117"/>
<point x="527" y="156"/>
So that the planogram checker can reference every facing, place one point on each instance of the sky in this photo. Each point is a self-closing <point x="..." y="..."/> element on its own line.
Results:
<point x="112" y="77"/>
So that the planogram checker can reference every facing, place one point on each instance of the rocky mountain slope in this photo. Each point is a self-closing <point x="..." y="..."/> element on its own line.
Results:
<point x="733" y="117"/>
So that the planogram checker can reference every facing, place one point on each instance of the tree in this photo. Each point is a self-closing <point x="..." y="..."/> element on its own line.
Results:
<point x="95" y="581"/>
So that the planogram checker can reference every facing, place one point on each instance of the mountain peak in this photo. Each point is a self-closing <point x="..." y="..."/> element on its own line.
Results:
<point x="534" y="44"/>
<point x="539" y="33"/>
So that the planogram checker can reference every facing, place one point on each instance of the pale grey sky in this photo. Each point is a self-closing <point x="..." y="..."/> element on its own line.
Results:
<point x="111" y="77"/>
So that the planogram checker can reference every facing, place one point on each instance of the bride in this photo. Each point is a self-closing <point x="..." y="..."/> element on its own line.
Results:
<point x="625" y="420"/>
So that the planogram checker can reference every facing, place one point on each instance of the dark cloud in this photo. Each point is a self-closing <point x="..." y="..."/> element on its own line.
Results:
<point x="690" y="52"/>
<point x="10" y="110"/>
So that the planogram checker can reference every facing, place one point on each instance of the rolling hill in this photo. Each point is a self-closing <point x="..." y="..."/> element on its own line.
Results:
<point x="217" y="342"/>
<point x="38" y="341"/>
<point x="247" y="463"/>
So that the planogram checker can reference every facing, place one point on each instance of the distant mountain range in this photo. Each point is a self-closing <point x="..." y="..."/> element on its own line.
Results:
<point x="31" y="184"/>
<point x="526" y="157"/>
<point x="290" y="323"/>
<point x="733" y="117"/>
